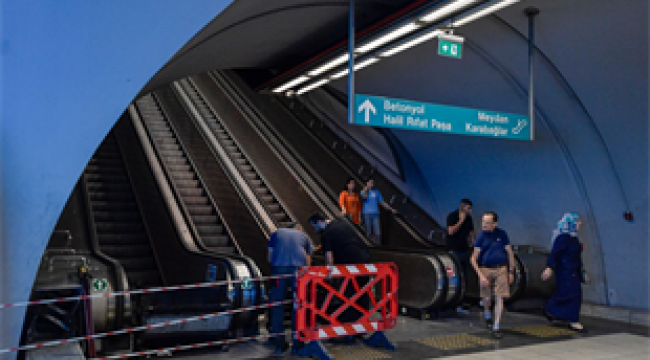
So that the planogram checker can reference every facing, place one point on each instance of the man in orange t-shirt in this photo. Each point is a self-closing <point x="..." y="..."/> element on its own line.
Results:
<point x="350" y="203"/>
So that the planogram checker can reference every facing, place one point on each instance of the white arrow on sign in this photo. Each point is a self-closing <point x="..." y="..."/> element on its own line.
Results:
<point x="367" y="107"/>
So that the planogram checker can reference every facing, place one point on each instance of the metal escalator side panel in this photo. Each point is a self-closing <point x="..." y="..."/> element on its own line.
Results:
<point x="422" y="278"/>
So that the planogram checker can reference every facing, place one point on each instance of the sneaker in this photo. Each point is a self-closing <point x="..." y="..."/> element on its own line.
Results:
<point x="489" y="323"/>
<point x="497" y="334"/>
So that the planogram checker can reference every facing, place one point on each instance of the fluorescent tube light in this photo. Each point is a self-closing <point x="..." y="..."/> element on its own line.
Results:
<point x="312" y="86"/>
<point x="292" y="83"/>
<point x="446" y="10"/>
<point x="330" y="65"/>
<point x="358" y="66"/>
<point x="483" y="12"/>
<point x="388" y="37"/>
<point x="412" y="43"/>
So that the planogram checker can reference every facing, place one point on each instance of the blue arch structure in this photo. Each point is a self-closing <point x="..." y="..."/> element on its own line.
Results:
<point x="69" y="69"/>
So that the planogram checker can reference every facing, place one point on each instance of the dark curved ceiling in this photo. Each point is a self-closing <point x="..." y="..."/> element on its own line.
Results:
<point x="271" y="35"/>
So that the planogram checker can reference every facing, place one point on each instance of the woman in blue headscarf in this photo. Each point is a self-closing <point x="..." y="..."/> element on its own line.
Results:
<point x="566" y="263"/>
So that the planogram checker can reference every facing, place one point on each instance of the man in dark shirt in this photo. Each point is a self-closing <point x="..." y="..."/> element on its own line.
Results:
<point x="460" y="236"/>
<point x="343" y="245"/>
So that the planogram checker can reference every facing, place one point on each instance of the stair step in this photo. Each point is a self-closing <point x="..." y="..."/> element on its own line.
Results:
<point x="215" y="240"/>
<point x="209" y="229"/>
<point x="200" y="209"/>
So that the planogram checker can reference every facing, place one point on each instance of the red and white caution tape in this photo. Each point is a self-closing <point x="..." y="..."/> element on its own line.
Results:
<point x="141" y="291"/>
<point x="193" y="346"/>
<point x="141" y="328"/>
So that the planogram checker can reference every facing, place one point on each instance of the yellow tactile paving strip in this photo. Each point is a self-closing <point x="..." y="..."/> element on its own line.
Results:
<point x="358" y="352"/>
<point x="543" y="331"/>
<point x="455" y="342"/>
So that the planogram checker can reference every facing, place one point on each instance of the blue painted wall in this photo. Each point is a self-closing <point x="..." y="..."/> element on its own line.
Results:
<point x="591" y="150"/>
<point x="69" y="69"/>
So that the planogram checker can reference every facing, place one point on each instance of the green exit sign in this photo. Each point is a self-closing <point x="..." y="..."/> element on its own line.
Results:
<point x="451" y="46"/>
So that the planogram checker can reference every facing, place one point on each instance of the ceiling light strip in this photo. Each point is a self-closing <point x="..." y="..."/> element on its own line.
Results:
<point x="359" y="66"/>
<point x="484" y="12"/>
<point x="292" y="83"/>
<point x="330" y="65"/>
<point x="312" y="86"/>
<point x="447" y="10"/>
<point x="406" y="29"/>
<point x="412" y="43"/>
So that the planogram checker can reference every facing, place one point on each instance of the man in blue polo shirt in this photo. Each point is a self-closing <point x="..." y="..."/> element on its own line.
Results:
<point x="493" y="260"/>
<point x="371" y="199"/>
<point x="289" y="250"/>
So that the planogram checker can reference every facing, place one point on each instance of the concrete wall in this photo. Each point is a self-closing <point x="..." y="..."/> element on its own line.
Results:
<point x="69" y="70"/>
<point x="591" y="149"/>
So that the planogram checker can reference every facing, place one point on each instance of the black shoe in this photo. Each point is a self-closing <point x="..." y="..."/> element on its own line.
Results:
<point x="497" y="334"/>
<point x="549" y="317"/>
<point x="489" y="323"/>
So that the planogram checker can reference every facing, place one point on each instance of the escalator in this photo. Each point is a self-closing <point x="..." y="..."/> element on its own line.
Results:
<point x="203" y="213"/>
<point x="120" y="232"/>
<point x="250" y="174"/>
<point x="307" y="191"/>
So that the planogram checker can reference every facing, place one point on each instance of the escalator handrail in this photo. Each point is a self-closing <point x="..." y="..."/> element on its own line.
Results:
<point x="122" y="303"/>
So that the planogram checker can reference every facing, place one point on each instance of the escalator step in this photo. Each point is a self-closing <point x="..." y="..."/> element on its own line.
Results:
<point x="267" y="198"/>
<point x="183" y="175"/>
<point x="108" y="187"/>
<point x="200" y="209"/>
<point x="223" y="249"/>
<point x="250" y="175"/>
<point x="273" y="207"/>
<point x="119" y="216"/>
<point x="114" y="228"/>
<point x="184" y="183"/>
<point x="262" y="190"/>
<point x="110" y="196"/>
<point x="194" y="191"/>
<point x="246" y="167"/>
<point x="237" y="155"/>
<point x="169" y="146"/>
<point x="215" y="240"/>
<point x="196" y="200"/>
<point x="242" y="162"/>
<point x="209" y="229"/>
<point x="113" y="206"/>
<point x="122" y="239"/>
<point x="168" y="153"/>
<point x="165" y="140"/>
<point x="279" y="216"/>
<point x="232" y="149"/>
<point x="228" y="142"/>
<point x="104" y="169"/>
<point x="205" y="219"/>
<point x="179" y="167"/>
<point x="120" y="252"/>
<point x="109" y="177"/>
<point x="257" y="182"/>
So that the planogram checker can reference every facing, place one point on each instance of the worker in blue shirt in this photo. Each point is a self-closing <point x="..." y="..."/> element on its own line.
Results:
<point x="371" y="199"/>
<point x="289" y="250"/>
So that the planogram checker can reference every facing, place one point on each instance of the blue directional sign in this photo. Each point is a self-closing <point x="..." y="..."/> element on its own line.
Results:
<point x="411" y="115"/>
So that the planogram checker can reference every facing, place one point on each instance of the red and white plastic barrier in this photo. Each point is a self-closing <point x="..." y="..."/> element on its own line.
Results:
<point x="309" y="281"/>
<point x="141" y="291"/>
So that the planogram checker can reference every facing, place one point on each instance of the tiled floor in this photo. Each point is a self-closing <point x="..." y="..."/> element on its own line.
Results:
<point x="526" y="337"/>
<point x="615" y="346"/>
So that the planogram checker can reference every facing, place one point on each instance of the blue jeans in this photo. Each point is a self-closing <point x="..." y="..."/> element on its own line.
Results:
<point x="278" y="293"/>
<point x="371" y="223"/>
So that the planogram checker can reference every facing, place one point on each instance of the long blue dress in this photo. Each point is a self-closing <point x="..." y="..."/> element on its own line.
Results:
<point x="565" y="260"/>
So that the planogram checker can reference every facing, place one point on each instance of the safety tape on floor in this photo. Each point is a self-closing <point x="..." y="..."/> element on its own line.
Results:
<point x="141" y="328"/>
<point x="141" y="291"/>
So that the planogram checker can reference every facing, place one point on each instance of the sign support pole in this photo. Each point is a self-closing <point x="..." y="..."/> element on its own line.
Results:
<point x="531" y="12"/>
<point x="351" y="103"/>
